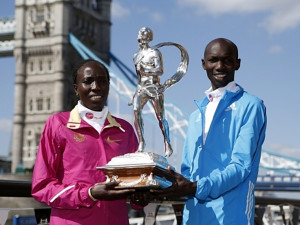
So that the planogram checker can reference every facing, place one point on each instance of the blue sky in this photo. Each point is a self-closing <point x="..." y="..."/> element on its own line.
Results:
<point x="266" y="32"/>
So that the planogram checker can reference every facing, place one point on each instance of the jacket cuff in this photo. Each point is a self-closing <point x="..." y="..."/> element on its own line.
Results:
<point x="91" y="196"/>
<point x="203" y="188"/>
<point x="85" y="198"/>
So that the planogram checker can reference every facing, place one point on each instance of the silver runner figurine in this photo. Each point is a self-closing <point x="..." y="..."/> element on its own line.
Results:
<point x="149" y="67"/>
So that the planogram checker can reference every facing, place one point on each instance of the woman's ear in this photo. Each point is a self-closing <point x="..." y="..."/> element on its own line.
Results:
<point x="75" y="88"/>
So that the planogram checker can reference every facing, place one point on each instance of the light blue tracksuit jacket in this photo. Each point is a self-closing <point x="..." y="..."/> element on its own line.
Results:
<point x="226" y="167"/>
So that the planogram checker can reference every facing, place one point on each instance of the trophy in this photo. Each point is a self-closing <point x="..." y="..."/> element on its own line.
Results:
<point x="147" y="169"/>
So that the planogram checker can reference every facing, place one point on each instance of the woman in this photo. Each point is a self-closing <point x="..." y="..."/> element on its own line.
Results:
<point x="72" y="145"/>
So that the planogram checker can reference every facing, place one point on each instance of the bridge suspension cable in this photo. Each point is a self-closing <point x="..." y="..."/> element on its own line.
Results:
<point x="276" y="163"/>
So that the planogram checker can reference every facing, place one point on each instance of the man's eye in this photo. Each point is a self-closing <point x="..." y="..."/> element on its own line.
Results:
<point x="213" y="60"/>
<point x="228" y="60"/>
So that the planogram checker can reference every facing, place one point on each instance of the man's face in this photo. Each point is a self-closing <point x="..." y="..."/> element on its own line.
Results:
<point x="220" y="62"/>
<point x="92" y="86"/>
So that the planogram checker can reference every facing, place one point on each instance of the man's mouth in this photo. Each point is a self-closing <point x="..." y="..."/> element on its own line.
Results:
<point x="219" y="76"/>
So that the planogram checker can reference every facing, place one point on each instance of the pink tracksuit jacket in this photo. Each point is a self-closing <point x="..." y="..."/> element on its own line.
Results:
<point x="65" y="168"/>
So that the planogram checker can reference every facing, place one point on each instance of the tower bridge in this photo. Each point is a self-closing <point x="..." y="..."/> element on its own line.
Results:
<point x="7" y="30"/>
<point x="45" y="58"/>
<point x="277" y="172"/>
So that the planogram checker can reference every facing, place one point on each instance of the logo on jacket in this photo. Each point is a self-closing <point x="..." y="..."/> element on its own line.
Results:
<point x="112" y="140"/>
<point x="89" y="115"/>
<point x="79" y="137"/>
<point x="231" y="107"/>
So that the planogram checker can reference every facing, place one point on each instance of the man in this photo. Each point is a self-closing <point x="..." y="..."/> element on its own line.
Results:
<point x="223" y="146"/>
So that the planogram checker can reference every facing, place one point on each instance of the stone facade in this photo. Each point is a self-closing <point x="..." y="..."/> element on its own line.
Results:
<point x="44" y="59"/>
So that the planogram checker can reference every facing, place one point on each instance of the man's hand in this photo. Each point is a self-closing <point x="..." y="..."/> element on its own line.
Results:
<point x="181" y="187"/>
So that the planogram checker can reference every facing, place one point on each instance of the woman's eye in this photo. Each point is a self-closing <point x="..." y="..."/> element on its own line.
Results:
<point x="87" y="81"/>
<point x="102" y="81"/>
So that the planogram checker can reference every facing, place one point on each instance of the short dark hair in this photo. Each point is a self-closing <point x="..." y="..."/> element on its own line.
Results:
<point x="233" y="45"/>
<point x="79" y="64"/>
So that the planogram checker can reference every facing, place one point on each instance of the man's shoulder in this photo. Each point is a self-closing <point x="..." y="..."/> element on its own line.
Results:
<point x="246" y="96"/>
<point x="195" y="116"/>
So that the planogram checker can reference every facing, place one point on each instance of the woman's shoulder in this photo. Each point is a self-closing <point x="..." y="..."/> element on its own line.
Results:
<point x="122" y="121"/>
<point x="59" y="118"/>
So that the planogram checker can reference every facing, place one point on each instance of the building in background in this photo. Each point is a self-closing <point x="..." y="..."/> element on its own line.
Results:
<point x="44" y="60"/>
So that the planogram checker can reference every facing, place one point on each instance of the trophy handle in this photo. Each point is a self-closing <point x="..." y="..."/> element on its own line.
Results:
<point x="182" y="68"/>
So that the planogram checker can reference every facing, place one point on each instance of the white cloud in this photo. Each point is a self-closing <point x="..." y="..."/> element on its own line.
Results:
<point x="216" y="7"/>
<point x="281" y="15"/>
<point x="5" y="125"/>
<point x="118" y="11"/>
<point x="285" y="150"/>
<point x="275" y="49"/>
<point x="282" y="19"/>
<point x="156" y="16"/>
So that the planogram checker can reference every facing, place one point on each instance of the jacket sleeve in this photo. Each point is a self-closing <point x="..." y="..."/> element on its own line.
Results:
<point x="244" y="158"/>
<point x="46" y="186"/>
<point x="191" y="144"/>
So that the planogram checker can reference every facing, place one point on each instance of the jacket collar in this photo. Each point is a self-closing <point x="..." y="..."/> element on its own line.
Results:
<point x="75" y="120"/>
<point x="228" y="95"/>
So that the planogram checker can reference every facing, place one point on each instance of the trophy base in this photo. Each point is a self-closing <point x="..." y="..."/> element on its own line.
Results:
<point x="142" y="170"/>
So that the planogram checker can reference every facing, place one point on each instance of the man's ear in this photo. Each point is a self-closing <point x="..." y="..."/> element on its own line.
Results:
<point x="203" y="63"/>
<point x="238" y="64"/>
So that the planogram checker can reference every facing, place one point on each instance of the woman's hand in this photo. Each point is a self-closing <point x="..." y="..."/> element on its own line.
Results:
<point x="107" y="191"/>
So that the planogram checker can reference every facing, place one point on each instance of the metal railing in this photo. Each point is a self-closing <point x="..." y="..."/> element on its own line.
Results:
<point x="20" y="188"/>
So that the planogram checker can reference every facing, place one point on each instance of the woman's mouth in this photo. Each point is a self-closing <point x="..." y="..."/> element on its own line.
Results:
<point x="96" y="97"/>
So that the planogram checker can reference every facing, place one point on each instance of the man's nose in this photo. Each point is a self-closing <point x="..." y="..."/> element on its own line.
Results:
<point x="220" y="65"/>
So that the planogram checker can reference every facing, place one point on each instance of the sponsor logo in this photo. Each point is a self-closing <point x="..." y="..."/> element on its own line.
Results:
<point x="79" y="137"/>
<point x="112" y="141"/>
<point x="89" y="115"/>
<point x="231" y="107"/>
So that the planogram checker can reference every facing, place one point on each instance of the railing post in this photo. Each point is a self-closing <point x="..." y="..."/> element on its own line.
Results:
<point x="259" y="212"/>
<point x="150" y="213"/>
<point x="178" y="209"/>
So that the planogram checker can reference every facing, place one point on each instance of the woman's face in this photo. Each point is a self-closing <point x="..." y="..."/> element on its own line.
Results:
<point x="92" y="85"/>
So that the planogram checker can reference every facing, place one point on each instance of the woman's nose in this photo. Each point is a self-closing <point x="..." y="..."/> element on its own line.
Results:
<point x="95" y="85"/>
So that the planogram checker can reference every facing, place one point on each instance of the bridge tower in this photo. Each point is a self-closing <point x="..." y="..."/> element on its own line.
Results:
<point x="44" y="58"/>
